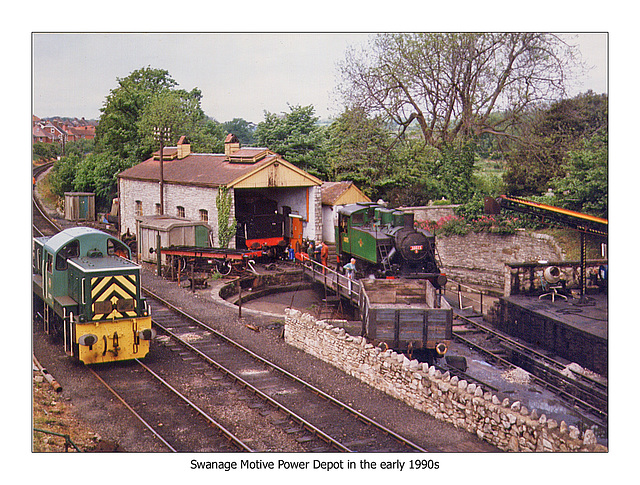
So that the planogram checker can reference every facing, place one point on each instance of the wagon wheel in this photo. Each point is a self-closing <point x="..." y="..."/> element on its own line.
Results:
<point x="223" y="267"/>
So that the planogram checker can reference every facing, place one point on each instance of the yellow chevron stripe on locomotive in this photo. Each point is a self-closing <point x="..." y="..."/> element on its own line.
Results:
<point x="113" y="297"/>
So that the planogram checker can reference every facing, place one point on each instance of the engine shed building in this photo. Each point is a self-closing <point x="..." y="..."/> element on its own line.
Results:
<point x="192" y="182"/>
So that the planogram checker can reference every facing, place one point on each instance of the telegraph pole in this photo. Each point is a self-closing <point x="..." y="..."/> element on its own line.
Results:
<point x="161" y="134"/>
<point x="161" y="176"/>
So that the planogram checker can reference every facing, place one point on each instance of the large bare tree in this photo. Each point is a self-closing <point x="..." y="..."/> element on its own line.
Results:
<point x="456" y="85"/>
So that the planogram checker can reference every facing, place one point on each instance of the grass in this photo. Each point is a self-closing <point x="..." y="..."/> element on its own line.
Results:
<point x="51" y="414"/>
<point x="46" y="195"/>
<point x="489" y="167"/>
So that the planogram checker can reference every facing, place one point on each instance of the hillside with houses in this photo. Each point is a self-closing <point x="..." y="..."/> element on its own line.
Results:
<point x="61" y="130"/>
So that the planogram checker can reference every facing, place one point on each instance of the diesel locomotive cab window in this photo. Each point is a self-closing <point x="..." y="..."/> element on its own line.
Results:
<point x="71" y="250"/>
<point x="117" y="248"/>
<point x="357" y="219"/>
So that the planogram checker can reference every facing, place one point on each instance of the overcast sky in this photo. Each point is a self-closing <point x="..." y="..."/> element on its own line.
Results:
<point x="240" y="75"/>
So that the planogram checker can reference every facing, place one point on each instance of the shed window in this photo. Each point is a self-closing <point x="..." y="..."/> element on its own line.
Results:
<point x="180" y="211"/>
<point x="204" y="215"/>
<point x="158" y="209"/>
<point x="138" y="211"/>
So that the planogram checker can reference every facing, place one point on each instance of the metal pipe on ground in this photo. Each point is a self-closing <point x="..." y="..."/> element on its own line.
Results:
<point x="56" y="387"/>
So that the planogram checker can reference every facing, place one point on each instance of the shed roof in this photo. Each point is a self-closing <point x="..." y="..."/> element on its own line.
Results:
<point x="332" y="192"/>
<point x="214" y="170"/>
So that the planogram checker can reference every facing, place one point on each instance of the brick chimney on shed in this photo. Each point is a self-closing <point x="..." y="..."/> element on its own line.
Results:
<point x="184" y="147"/>
<point x="231" y="144"/>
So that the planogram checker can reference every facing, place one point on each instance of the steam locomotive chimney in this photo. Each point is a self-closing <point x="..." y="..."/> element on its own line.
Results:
<point x="408" y="220"/>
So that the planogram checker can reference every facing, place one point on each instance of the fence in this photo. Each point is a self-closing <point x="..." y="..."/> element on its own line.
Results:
<point x="527" y="278"/>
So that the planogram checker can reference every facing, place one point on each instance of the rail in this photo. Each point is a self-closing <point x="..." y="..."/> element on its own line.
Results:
<point x="280" y="370"/>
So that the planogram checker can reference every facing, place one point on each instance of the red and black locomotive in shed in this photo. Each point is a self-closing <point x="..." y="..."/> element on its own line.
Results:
<point x="261" y="227"/>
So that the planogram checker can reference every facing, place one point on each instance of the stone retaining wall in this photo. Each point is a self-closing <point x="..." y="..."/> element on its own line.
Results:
<point x="479" y="258"/>
<point x="509" y="426"/>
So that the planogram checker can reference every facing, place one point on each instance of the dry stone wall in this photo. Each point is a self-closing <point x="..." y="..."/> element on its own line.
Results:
<point x="479" y="258"/>
<point x="508" y="426"/>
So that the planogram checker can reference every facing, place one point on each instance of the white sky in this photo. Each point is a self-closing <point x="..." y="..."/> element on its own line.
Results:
<point x="240" y="75"/>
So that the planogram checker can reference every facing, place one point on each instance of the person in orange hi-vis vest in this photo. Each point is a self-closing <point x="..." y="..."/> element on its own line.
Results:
<point x="324" y="257"/>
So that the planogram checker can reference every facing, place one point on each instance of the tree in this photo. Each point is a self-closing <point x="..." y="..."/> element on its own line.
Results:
<point x="63" y="174"/>
<point x="98" y="173"/>
<point x="242" y="128"/>
<point x="584" y="184"/>
<point x="452" y="84"/>
<point x="357" y="148"/>
<point x="164" y="115"/>
<point x="117" y="131"/>
<point x="405" y="171"/>
<point x="554" y="131"/>
<point x="296" y="136"/>
<point x="45" y="151"/>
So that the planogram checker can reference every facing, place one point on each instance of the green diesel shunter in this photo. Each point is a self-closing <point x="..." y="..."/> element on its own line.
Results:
<point x="88" y="292"/>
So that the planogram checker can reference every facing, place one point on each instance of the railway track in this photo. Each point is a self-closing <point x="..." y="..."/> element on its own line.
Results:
<point x="42" y="224"/>
<point x="324" y="423"/>
<point x="293" y="402"/>
<point x="155" y="402"/>
<point x="587" y="394"/>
